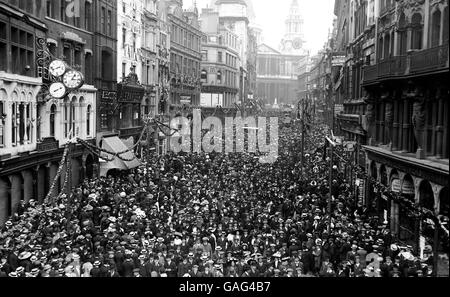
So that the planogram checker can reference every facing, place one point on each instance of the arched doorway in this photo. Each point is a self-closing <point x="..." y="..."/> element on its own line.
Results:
<point x="89" y="167"/>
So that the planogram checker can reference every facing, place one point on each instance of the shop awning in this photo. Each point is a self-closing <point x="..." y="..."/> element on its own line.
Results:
<point x="114" y="144"/>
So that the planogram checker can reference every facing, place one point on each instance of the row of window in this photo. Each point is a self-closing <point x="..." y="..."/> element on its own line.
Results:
<point x="24" y="5"/>
<point x="185" y="37"/>
<point x="438" y="34"/>
<point x="20" y="43"/>
<point x="230" y="78"/>
<point x="230" y="40"/>
<point x="184" y="65"/>
<point x="23" y="120"/>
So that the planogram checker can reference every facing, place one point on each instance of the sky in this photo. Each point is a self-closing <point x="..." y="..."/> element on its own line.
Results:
<point x="271" y="14"/>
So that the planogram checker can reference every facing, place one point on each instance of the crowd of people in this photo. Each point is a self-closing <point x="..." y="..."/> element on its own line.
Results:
<point x="209" y="215"/>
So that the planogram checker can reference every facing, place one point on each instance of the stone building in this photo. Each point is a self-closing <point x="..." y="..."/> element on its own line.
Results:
<point x="407" y="113"/>
<point x="278" y="70"/>
<point x="220" y="63"/>
<point x="185" y="57"/>
<point x="396" y="107"/>
<point x="35" y="127"/>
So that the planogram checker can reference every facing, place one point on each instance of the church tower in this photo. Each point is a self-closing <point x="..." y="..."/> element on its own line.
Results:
<point x="293" y="40"/>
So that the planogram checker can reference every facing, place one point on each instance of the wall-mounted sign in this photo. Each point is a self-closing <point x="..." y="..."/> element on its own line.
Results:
<point x="338" y="61"/>
<point x="129" y="94"/>
<point x="395" y="185"/>
<point x="408" y="188"/>
<point x="108" y="96"/>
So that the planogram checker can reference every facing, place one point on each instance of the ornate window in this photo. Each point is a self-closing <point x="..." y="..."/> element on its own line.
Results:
<point x="435" y="28"/>
<point x="416" y="31"/>
<point x="402" y="35"/>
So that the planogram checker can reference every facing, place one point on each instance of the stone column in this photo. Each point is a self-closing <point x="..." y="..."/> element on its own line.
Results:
<point x="16" y="191"/>
<point x="3" y="201"/>
<point x="28" y="188"/>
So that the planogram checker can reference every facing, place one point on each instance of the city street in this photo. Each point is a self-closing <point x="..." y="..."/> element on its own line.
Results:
<point x="216" y="215"/>
<point x="224" y="138"/>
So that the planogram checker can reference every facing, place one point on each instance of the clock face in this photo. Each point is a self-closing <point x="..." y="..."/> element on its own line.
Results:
<point x="57" y="68"/>
<point x="298" y="43"/>
<point x="57" y="90"/>
<point x="73" y="79"/>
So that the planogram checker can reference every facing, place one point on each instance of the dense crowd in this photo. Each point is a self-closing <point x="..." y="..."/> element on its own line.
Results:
<point x="209" y="215"/>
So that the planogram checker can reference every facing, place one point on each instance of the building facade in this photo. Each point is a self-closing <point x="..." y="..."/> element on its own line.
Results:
<point x="220" y="63"/>
<point x="35" y="127"/>
<point x="277" y="76"/>
<point x="396" y="107"/>
<point x="278" y="70"/>
<point x="237" y="16"/>
<point x="149" y="59"/>
<point x="185" y="57"/>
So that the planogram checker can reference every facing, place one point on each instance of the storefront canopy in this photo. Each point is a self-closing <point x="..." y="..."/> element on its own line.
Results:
<point x="114" y="144"/>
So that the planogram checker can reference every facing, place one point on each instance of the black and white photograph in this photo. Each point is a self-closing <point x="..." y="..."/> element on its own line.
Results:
<point x="220" y="139"/>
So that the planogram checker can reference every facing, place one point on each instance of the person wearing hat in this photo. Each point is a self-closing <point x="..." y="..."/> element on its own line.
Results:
<point x="206" y="246"/>
<point x="170" y="267"/>
<point x="351" y="255"/>
<point x="195" y="271"/>
<point x="95" y="271"/>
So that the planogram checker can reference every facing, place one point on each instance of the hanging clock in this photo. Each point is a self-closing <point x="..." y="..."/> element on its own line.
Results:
<point x="57" y="90"/>
<point x="73" y="79"/>
<point x="57" y="68"/>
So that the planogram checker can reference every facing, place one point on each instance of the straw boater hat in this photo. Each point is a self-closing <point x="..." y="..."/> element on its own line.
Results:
<point x="24" y="255"/>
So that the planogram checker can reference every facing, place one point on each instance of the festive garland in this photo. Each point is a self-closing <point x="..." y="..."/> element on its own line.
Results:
<point x="96" y="149"/>
<point x="58" y="174"/>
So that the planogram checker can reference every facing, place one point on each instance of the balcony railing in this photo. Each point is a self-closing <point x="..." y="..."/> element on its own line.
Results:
<point x="370" y="73"/>
<point x="429" y="59"/>
<point x="393" y="66"/>
<point x="414" y="62"/>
